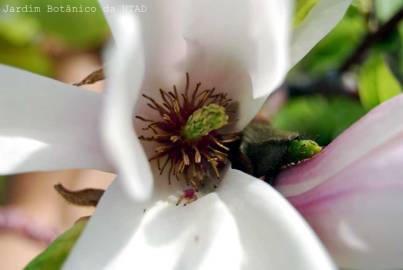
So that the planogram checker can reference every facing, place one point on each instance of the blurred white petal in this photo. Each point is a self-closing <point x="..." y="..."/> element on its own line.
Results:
<point x="124" y="82"/>
<point x="47" y="125"/>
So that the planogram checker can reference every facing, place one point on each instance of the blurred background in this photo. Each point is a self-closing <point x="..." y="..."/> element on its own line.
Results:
<point x="356" y="67"/>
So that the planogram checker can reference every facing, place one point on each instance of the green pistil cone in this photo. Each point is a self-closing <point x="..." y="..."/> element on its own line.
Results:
<point x="205" y="120"/>
<point x="302" y="149"/>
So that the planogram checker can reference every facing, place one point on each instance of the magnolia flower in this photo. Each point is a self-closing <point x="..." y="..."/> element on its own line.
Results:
<point x="352" y="192"/>
<point x="239" y="48"/>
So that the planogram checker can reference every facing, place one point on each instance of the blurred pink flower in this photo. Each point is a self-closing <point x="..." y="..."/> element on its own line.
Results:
<point x="352" y="192"/>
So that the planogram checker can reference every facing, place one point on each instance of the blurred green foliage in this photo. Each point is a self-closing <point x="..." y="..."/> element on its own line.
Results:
<point x="18" y="30"/>
<point x="376" y="82"/>
<point x="386" y="9"/>
<point x="335" y="47"/>
<point x="19" y="45"/>
<point x="323" y="117"/>
<point x="331" y="52"/>
<point x="25" y="35"/>
<point x="317" y="117"/>
<point x="79" y="30"/>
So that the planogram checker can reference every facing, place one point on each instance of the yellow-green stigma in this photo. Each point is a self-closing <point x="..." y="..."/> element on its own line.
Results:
<point x="204" y="120"/>
<point x="190" y="144"/>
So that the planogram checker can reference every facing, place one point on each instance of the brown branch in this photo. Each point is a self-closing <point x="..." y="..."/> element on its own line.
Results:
<point x="329" y="84"/>
<point x="94" y="77"/>
<point x="85" y="197"/>
<point x="370" y="39"/>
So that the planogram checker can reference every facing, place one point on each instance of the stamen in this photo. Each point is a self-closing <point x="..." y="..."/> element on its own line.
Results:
<point x="219" y="144"/>
<point x="195" y="93"/>
<point x="187" y="84"/>
<point x="187" y="133"/>
<point x="214" y="165"/>
<point x="164" y="166"/>
<point x="174" y="139"/>
<point x="197" y="155"/>
<point x="185" y="158"/>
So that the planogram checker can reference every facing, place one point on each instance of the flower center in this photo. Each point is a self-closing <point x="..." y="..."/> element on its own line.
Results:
<point x="204" y="120"/>
<point x="190" y="145"/>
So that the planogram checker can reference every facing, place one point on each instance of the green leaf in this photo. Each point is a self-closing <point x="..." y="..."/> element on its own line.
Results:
<point x="55" y="255"/>
<point x="302" y="9"/>
<point x="376" y="82"/>
<point x="317" y="117"/>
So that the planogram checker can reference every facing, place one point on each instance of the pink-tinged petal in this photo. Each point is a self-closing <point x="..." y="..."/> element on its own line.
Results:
<point x="352" y="192"/>
<point x="244" y="224"/>
<point x="47" y="125"/>
<point x="381" y="125"/>
<point x="320" y="21"/>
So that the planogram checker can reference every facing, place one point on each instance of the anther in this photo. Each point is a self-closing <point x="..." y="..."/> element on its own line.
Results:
<point x="187" y="133"/>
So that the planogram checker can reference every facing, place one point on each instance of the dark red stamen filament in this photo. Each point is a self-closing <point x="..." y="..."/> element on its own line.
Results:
<point x="190" y="159"/>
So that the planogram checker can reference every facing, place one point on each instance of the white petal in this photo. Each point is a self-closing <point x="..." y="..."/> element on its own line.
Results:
<point x="47" y="125"/>
<point x="147" y="49"/>
<point x="163" y="43"/>
<point x="321" y="19"/>
<point x="273" y="234"/>
<point x="244" y="54"/>
<point x="125" y="76"/>
<point x="252" y="35"/>
<point x="245" y="224"/>
<point x="240" y="47"/>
